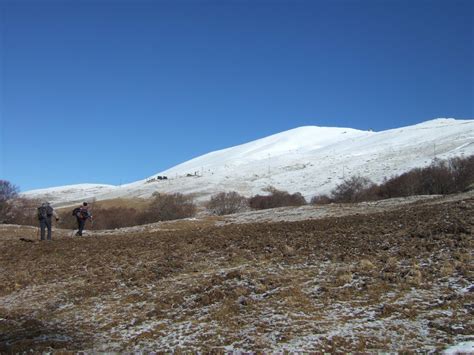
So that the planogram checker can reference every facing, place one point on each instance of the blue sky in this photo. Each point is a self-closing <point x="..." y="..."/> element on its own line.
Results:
<point x="115" y="91"/>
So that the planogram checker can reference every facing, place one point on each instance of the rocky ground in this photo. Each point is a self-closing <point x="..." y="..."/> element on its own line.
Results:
<point x="387" y="276"/>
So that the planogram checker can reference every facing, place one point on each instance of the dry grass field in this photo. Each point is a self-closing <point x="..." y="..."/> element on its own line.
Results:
<point x="394" y="279"/>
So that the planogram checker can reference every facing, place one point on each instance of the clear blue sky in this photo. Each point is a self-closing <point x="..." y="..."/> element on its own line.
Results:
<point x="115" y="91"/>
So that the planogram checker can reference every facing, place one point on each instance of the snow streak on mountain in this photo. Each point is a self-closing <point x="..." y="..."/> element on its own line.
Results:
<point x="311" y="160"/>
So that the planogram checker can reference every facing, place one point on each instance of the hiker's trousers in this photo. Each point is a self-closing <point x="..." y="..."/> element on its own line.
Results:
<point x="45" y="223"/>
<point x="80" y="225"/>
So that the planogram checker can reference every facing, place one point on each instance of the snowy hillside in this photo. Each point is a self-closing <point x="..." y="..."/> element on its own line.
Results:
<point x="69" y="193"/>
<point x="311" y="160"/>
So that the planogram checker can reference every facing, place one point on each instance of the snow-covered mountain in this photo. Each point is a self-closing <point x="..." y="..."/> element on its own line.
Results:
<point x="311" y="160"/>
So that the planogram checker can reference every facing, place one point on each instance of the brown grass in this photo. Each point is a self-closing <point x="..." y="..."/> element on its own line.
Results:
<point x="272" y="282"/>
<point x="139" y="204"/>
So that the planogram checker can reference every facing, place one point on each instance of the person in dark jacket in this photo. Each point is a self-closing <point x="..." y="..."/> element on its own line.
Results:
<point x="82" y="215"/>
<point x="45" y="215"/>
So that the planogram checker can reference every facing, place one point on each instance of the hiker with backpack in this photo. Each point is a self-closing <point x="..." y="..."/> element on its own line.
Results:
<point x="82" y="215"/>
<point x="45" y="214"/>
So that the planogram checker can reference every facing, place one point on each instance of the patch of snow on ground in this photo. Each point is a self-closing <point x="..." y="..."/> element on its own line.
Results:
<point x="466" y="347"/>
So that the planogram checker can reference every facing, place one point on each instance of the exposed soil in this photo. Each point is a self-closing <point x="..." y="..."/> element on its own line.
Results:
<point x="385" y="279"/>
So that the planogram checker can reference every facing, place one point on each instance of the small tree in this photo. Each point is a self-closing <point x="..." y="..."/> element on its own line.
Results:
<point x="463" y="172"/>
<point x="22" y="211"/>
<point x="165" y="207"/>
<point x="354" y="189"/>
<point x="276" y="198"/>
<point x="320" y="200"/>
<point x="8" y="191"/>
<point x="114" y="217"/>
<point x="227" y="203"/>
<point x="441" y="177"/>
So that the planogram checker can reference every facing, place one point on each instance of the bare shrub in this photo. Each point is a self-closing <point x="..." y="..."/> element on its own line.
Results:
<point x="436" y="179"/>
<point x="22" y="211"/>
<point x="227" y="203"/>
<point x="114" y="217"/>
<point x="66" y="219"/>
<point x="441" y="177"/>
<point x="463" y="172"/>
<point x="354" y="189"/>
<point x="276" y="198"/>
<point x="103" y="218"/>
<point x="107" y="216"/>
<point x="166" y="207"/>
<point x="321" y="200"/>
<point x="401" y="186"/>
<point x="69" y="221"/>
<point x="8" y="191"/>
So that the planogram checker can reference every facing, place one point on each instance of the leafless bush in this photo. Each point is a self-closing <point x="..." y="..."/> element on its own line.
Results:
<point x="166" y="207"/>
<point x="161" y="208"/>
<point x="114" y="217"/>
<point x="441" y="177"/>
<point x="22" y="211"/>
<point x="463" y="172"/>
<point x="66" y="219"/>
<point x="354" y="189"/>
<point x="227" y="203"/>
<point x="8" y="191"/>
<point x="402" y="185"/>
<point x="437" y="179"/>
<point x="321" y="200"/>
<point x="276" y="198"/>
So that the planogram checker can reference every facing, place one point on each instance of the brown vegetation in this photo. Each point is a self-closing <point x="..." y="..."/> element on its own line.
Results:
<point x="276" y="198"/>
<point x="8" y="192"/>
<point x="166" y="207"/>
<point x="355" y="189"/>
<point x="440" y="178"/>
<point x="132" y="212"/>
<point x="227" y="203"/>
<point x="114" y="217"/>
<point x="22" y="211"/>
<point x="387" y="282"/>
<point x="320" y="200"/>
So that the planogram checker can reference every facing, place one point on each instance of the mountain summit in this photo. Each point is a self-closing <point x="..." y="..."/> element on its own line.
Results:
<point x="311" y="160"/>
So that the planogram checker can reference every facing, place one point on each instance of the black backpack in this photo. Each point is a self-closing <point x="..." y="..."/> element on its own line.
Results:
<point x="75" y="211"/>
<point x="45" y="212"/>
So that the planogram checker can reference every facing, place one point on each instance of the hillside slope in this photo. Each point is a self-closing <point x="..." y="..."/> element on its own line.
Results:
<point x="360" y="278"/>
<point x="311" y="160"/>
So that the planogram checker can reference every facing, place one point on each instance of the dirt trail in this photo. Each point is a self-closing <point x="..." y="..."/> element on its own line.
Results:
<point x="382" y="278"/>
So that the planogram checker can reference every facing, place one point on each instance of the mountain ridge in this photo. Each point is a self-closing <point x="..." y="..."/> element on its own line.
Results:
<point x="307" y="159"/>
